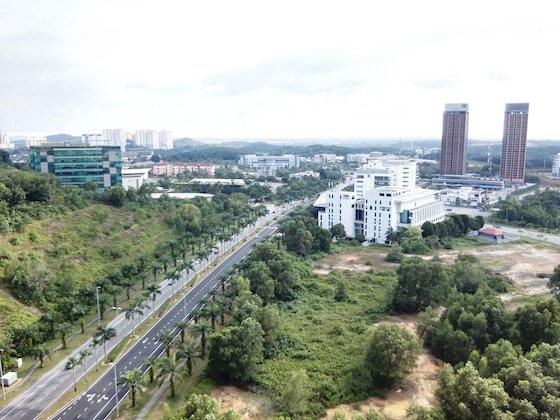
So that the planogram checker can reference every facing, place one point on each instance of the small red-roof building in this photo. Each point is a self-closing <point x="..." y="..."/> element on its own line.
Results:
<point x="491" y="233"/>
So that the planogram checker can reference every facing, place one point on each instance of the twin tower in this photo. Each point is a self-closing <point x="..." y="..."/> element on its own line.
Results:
<point x="514" y="141"/>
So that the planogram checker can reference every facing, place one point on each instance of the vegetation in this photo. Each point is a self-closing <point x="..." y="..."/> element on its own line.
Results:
<point x="541" y="209"/>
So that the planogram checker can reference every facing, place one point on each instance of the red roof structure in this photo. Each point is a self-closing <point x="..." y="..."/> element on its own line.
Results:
<point x="491" y="231"/>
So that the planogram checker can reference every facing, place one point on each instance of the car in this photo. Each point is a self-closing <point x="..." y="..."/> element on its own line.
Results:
<point x="69" y="365"/>
<point x="257" y="236"/>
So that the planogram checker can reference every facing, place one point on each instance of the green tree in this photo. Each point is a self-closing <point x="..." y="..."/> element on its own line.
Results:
<point x="153" y="290"/>
<point x="182" y="325"/>
<point x="201" y="329"/>
<point x="391" y="355"/>
<point x="170" y="368"/>
<point x="296" y="393"/>
<point x="105" y="333"/>
<point x="151" y="362"/>
<point x="166" y="337"/>
<point x="554" y="282"/>
<point x="72" y="362"/>
<point x="41" y="352"/>
<point x="338" y="232"/>
<point x="133" y="378"/>
<point x="82" y="359"/>
<point x="64" y="329"/>
<point x="188" y="351"/>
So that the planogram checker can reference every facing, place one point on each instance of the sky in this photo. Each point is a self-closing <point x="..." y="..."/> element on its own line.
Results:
<point x="276" y="69"/>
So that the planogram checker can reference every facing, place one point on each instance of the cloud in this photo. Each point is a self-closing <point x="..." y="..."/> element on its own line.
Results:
<point x="443" y="81"/>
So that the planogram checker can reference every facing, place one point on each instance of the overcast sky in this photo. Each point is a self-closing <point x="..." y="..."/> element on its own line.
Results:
<point x="276" y="69"/>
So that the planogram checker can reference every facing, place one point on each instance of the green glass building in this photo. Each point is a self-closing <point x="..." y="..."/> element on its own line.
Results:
<point x="77" y="163"/>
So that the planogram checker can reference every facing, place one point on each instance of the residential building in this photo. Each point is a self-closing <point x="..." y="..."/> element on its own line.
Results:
<point x="175" y="168"/>
<point x="35" y="141"/>
<point x="514" y="143"/>
<point x="556" y="165"/>
<point x="165" y="139"/>
<point x="115" y="137"/>
<point x="78" y="163"/>
<point x="358" y="158"/>
<point x="454" y="139"/>
<point x="269" y="164"/>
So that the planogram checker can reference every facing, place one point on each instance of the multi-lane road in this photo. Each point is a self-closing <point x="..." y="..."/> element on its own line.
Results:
<point x="99" y="401"/>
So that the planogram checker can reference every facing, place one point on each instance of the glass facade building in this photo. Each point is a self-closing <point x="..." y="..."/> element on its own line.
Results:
<point x="77" y="163"/>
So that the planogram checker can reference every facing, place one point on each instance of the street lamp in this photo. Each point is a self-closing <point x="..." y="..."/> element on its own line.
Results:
<point x="117" y="309"/>
<point x="546" y="228"/>
<point x="98" y="307"/>
<point x="2" y="374"/>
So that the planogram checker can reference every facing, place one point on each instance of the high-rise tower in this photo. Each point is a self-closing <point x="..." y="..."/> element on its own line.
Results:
<point x="514" y="143"/>
<point x="454" y="139"/>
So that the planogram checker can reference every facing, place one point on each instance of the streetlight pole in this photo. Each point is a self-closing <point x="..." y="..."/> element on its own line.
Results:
<point x="546" y="228"/>
<point x="2" y="374"/>
<point x="116" y="388"/>
<point x="117" y="309"/>
<point x="98" y="307"/>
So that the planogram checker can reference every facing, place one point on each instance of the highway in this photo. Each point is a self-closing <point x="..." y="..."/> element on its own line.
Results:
<point x="99" y="400"/>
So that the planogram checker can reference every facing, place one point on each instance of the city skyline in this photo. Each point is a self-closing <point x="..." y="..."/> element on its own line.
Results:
<point x="256" y="70"/>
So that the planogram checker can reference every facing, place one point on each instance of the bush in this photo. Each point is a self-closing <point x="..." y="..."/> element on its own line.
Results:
<point x="395" y="255"/>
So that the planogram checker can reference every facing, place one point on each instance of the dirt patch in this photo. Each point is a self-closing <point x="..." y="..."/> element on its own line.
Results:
<point x="362" y="260"/>
<point x="419" y="387"/>
<point x="246" y="404"/>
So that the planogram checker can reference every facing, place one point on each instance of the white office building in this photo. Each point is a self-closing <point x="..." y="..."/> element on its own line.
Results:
<point x="269" y="164"/>
<point x="383" y="172"/>
<point x="337" y="206"/>
<point x="391" y="208"/>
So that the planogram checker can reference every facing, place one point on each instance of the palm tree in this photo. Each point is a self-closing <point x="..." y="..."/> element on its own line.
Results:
<point x="49" y="318"/>
<point x="175" y="278"/>
<point x="201" y="329"/>
<point x="83" y="354"/>
<point x="169" y="367"/>
<point x="132" y="378"/>
<point x="73" y="361"/>
<point x="224" y="305"/>
<point x="96" y="342"/>
<point x="152" y="291"/>
<point x="105" y="333"/>
<point x="64" y="329"/>
<point x="187" y="351"/>
<point x="79" y="312"/>
<point x="182" y="325"/>
<point x="188" y="267"/>
<point x="154" y="268"/>
<point x="151" y="362"/>
<point x="212" y="311"/>
<point x="166" y="338"/>
<point x="41" y="352"/>
<point x="137" y="306"/>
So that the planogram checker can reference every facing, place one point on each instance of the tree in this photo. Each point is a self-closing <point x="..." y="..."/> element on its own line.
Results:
<point x="296" y="393"/>
<point x="188" y="351"/>
<point x="204" y="407"/>
<point x="64" y="329"/>
<point x="554" y="282"/>
<point x="72" y="362"/>
<point x="338" y="232"/>
<point x="137" y="306"/>
<point x="391" y="355"/>
<point x="166" y="337"/>
<point x="105" y="333"/>
<point x="96" y="342"/>
<point x="200" y="330"/>
<point x="236" y="351"/>
<point x="41" y="352"/>
<point x="182" y="326"/>
<point x="168" y="366"/>
<point x="153" y="290"/>
<point x="82" y="358"/>
<point x="151" y="363"/>
<point x="133" y="378"/>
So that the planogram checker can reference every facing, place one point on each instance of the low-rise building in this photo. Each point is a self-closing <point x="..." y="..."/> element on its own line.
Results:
<point x="269" y="164"/>
<point x="134" y="177"/>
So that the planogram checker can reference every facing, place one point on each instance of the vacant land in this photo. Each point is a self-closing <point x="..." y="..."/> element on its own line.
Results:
<point x="526" y="266"/>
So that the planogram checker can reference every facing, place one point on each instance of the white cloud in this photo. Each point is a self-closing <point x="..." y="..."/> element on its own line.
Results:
<point x="275" y="69"/>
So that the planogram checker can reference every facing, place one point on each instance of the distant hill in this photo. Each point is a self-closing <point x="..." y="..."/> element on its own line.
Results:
<point x="63" y="137"/>
<point x="187" y="142"/>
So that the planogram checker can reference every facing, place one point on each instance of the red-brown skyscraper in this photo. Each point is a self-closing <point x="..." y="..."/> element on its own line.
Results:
<point x="454" y="139"/>
<point x="514" y="143"/>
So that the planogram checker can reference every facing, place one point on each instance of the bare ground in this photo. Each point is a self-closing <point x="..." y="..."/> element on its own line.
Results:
<point x="526" y="266"/>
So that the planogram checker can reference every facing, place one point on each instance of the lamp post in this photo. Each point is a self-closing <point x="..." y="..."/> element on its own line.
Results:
<point x="116" y="388"/>
<point x="98" y="307"/>
<point x="546" y="228"/>
<point x="2" y="374"/>
<point x="117" y="309"/>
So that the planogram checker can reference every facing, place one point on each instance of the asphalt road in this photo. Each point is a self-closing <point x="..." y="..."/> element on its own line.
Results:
<point x="99" y="400"/>
<point x="94" y="403"/>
